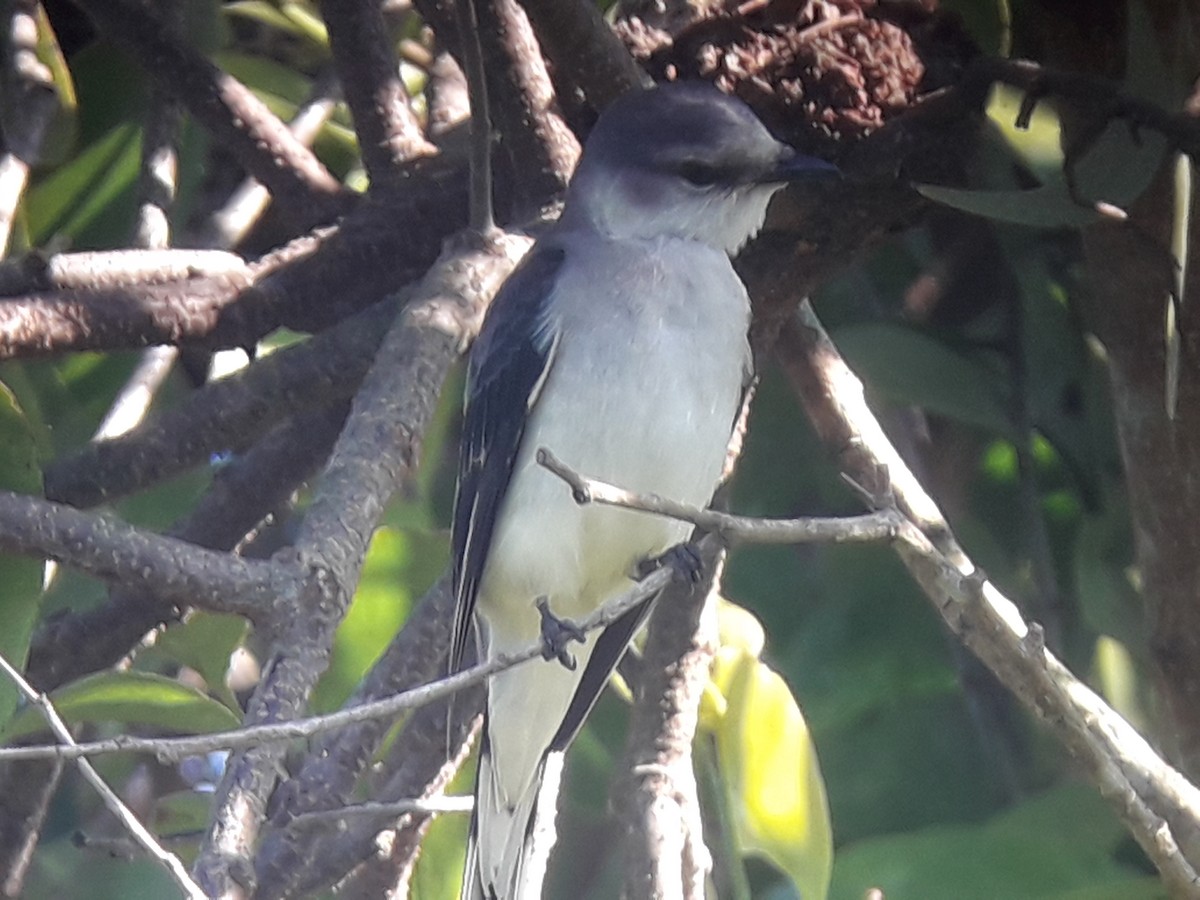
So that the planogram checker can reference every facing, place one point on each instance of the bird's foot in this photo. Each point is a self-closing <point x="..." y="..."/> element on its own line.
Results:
<point x="684" y="559"/>
<point x="557" y="634"/>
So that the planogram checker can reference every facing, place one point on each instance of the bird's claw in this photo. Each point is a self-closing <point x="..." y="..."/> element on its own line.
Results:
<point x="684" y="559"/>
<point x="557" y="634"/>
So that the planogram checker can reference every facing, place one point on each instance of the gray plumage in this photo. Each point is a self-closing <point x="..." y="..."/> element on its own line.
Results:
<point x="619" y="343"/>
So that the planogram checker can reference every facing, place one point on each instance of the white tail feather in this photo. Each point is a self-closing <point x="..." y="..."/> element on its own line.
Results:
<point x="509" y="847"/>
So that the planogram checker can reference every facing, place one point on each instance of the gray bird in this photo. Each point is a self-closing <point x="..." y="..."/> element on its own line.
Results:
<point x="620" y="344"/>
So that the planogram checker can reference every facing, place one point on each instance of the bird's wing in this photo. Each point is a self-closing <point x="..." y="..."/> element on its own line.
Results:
<point x="508" y="367"/>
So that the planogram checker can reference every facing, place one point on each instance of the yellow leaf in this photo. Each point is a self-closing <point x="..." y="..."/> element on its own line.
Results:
<point x="770" y="767"/>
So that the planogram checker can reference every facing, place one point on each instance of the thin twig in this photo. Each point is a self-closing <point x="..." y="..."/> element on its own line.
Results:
<point x="877" y="526"/>
<point x="171" y="749"/>
<point x="145" y="839"/>
<point x="433" y="806"/>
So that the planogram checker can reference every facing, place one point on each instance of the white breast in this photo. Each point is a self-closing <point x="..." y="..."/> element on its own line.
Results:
<point x="645" y="387"/>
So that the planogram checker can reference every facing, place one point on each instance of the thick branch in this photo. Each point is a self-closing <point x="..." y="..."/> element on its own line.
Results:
<point x="585" y="54"/>
<point x="332" y="768"/>
<point x="242" y="494"/>
<point x="1158" y="805"/>
<point x="113" y="551"/>
<point x="388" y="132"/>
<point x="237" y="119"/>
<point x="224" y="415"/>
<point x="376" y="451"/>
<point x="308" y="285"/>
<point x="656" y="797"/>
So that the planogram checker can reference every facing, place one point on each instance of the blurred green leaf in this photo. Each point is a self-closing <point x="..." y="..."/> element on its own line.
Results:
<point x="1048" y="206"/>
<point x="776" y="793"/>
<point x="20" y="576"/>
<point x="204" y="642"/>
<point x="306" y="20"/>
<point x="906" y="366"/>
<point x="273" y="81"/>
<point x="75" y="194"/>
<point x="131" y="698"/>
<point x="400" y="567"/>
<point x="438" y="876"/>
<point x="1039" y="145"/>
<point x="59" y="139"/>
<point x="181" y="813"/>
<point x="295" y="19"/>
<point x="1010" y="854"/>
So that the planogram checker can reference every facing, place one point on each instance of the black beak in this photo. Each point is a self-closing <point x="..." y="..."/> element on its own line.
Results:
<point x="794" y="166"/>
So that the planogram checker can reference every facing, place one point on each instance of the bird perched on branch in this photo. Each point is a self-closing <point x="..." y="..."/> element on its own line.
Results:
<point x="620" y="344"/>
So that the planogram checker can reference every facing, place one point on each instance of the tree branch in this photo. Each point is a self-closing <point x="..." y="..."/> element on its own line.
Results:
<point x="228" y="109"/>
<point x="224" y="415"/>
<point x="731" y="529"/>
<point x="1158" y="805"/>
<point x="388" y="132"/>
<point x="585" y="54"/>
<point x="111" y="550"/>
<point x="255" y="735"/>
<point x="243" y="492"/>
<point x="125" y="816"/>
<point x="229" y="225"/>
<point x="29" y="112"/>
<point x="326" y="779"/>
<point x="656" y="795"/>
<point x="376" y="451"/>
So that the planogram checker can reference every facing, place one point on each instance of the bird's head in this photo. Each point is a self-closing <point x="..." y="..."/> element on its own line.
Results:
<point x="686" y="160"/>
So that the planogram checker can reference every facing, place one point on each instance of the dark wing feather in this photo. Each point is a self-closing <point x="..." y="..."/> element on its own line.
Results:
<point x="610" y="647"/>
<point x="508" y="364"/>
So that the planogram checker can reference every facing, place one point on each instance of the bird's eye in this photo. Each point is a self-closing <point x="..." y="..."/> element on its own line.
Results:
<point x="699" y="174"/>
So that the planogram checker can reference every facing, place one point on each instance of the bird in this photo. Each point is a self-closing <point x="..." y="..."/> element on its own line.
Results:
<point x="620" y="344"/>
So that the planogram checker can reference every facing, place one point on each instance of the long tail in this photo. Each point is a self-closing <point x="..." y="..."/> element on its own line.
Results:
<point x="507" y="859"/>
<point x="520" y="763"/>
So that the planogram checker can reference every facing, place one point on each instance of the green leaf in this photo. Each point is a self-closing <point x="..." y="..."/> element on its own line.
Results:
<point x="63" y="130"/>
<point x="20" y="576"/>
<point x="181" y="813"/>
<point x="204" y="642"/>
<point x="132" y="698"/>
<point x="438" y="875"/>
<point x="290" y="18"/>
<point x="400" y="566"/>
<point x="273" y="81"/>
<point x="67" y="201"/>
<point x="770" y="765"/>
<point x="906" y="366"/>
<point x="1039" y="145"/>
<point x="1011" y="855"/>
<point x="1048" y="206"/>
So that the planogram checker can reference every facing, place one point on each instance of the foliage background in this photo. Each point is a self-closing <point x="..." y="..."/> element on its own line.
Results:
<point x="938" y="786"/>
